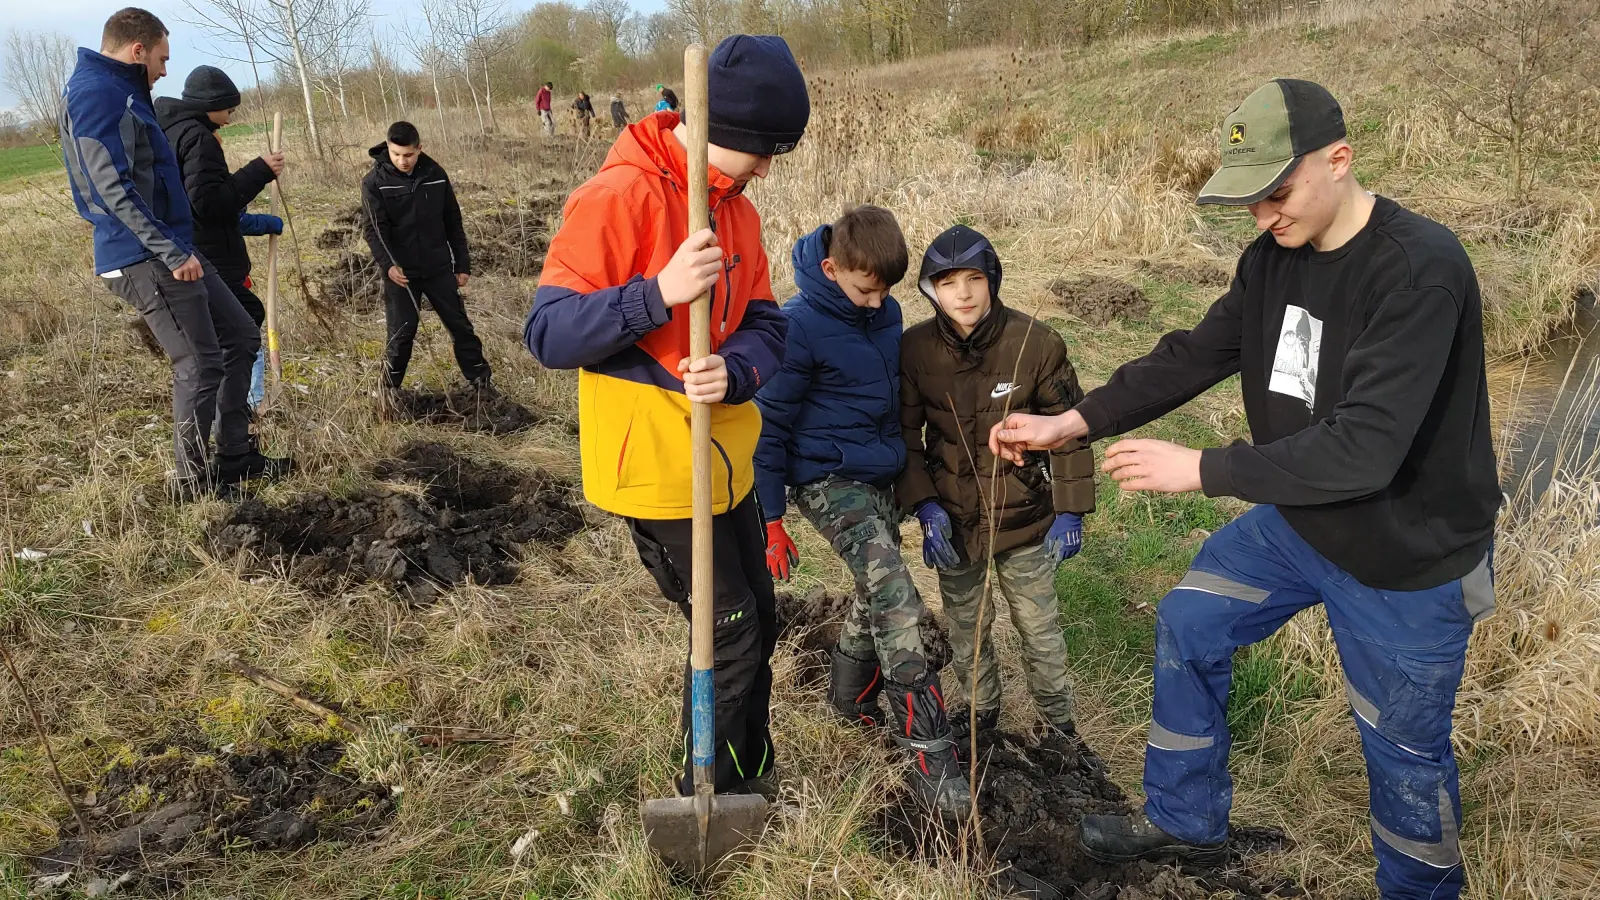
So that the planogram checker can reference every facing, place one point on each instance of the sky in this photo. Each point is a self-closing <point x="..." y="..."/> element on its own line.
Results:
<point x="81" y="20"/>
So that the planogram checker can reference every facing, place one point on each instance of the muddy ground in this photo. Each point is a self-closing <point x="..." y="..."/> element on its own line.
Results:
<point x="1033" y="794"/>
<point x="443" y="520"/>
<point x="154" y="818"/>
<point x="1199" y="274"/>
<point x="1098" y="301"/>
<point x="461" y="407"/>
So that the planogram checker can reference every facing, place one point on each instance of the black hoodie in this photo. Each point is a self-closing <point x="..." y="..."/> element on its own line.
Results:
<point x="1363" y="380"/>
<point x="413" y="220"/>
<point x="216" y="196"/>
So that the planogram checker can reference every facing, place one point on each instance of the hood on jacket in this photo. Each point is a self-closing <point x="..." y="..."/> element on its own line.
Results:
<point x="822" y="291"/>
<point x="171" y="110"/>
<point x="649" y="144"/>
<point x="380" y="158"/>
<point x="960" y="247"/>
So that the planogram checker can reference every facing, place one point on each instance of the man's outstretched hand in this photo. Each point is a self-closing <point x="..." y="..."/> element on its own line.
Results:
<point x="1021" y="432"/>
<point x="1147" y="465"/>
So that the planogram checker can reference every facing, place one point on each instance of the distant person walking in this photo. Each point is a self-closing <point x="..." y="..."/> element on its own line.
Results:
<point x="218" y="197"/>
<point x="668" y="101"/>
<point x="619" y="113"/>
<point x="583" y="111"/>
<point x="541" y="102"/>
<point x="126" y="182"/>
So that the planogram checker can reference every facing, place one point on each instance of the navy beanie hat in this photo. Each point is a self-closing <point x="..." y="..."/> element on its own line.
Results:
<point x="757" y="95"/>
<point x="211" y="88"/>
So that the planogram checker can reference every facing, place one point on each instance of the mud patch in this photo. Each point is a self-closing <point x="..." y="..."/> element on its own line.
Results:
<point x="462" y="408"/>
<point x="156" y="818"/>
<point x="1199" y="274"/>
<point x="813" y="622"/>
<point x="444" y="521"/>
<point x="351" y="281"/>
<point x="1031" y="799"/>
<point x="513" y="241"/>
<point x="1097" y="301"/>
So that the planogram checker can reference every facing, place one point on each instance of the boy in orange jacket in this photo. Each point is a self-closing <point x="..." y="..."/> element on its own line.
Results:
<point x="613" y="303"/>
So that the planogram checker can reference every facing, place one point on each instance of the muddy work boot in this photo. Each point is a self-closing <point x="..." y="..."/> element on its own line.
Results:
<point x="241" y="467"/>
<point x="854" y="687"/>
<point x="923" y="729"/>
<point x="484" y="389"/>
<point x="961" y="721"/>
<point x="1120" y="839"/>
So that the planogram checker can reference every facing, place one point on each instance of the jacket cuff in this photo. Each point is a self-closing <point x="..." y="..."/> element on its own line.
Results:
<point x="643" y="310"/>
<point x="1214" y="478"/>
<point x="1095" y="416"/>
<point x="261" y="171"/>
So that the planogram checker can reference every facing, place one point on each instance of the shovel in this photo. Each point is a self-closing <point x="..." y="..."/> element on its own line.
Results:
<point x="692" y="834"/>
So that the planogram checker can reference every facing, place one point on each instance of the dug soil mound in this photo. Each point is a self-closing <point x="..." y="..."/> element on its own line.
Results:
<point x="1031" y="798"/>
<point x="461" y="407"/>
<point x="813" y="622"/>
<point x="157" y="817"/>
<point x="1097" y="301"/>
<point x="447" y="520"/>
<point x="1199" y="274"/>
<point x="351" y="281"/>
<point x="513" y="241"/>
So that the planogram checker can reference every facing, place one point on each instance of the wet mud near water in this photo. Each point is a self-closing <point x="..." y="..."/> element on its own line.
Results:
<point x="443" y="520"/>
<point x="1099" y="301"/>
<point x="157" y="817"/>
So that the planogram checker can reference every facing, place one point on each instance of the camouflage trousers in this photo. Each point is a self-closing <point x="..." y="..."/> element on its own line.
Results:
<point x="862" y="523"/>
<point x="1025" y="577"/>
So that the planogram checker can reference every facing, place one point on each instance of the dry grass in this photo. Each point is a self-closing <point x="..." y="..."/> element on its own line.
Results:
<point x="1084" y="165"/>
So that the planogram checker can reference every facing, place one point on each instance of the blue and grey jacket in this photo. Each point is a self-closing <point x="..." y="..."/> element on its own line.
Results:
<point x="834" y="406"/>
<point x="125" y="177"/>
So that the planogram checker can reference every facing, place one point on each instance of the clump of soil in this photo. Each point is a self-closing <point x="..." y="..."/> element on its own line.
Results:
<point x="513" y="241"/>
<point x="450" y="520"/>
<point x="1031" y="798"/>
<point x="352" y="280"/>
<point x="154" y="817"/>
<point x="1097" y="301"/>
<point x="815" y="620"/>
<point x="462" y="407"/>
<point x="1199" y="274"/>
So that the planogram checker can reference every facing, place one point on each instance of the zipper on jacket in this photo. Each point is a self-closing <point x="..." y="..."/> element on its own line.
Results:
<point x="727" y="277"/>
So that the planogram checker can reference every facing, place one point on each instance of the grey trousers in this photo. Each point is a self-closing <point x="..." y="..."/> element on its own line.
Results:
<point x="212" y="343"/>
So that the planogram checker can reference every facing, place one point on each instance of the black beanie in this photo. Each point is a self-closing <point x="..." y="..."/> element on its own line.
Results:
<point x="757" y="95"/>
<point x="211" y="89"/>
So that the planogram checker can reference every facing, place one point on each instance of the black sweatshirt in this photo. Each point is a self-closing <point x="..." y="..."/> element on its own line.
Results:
<point x="1363" y="379"/>
<point x="413" y="220"/>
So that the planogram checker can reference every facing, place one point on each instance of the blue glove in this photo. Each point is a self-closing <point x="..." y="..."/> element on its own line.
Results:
<point x="937" y="551"/>
<point x="1065" y="537"/>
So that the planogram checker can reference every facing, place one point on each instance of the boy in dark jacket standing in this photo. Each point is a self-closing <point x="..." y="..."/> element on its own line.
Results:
<point x="126" y="183"/>
<point x="613" y="302"/>
<point x="217" y="197"/>
<point x="417" y="240"/>
<point x="830" y="428"/>
<point x="961" y="372"/>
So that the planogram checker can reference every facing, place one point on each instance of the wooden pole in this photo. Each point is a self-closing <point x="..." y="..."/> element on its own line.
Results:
<point x="273" y="361"/>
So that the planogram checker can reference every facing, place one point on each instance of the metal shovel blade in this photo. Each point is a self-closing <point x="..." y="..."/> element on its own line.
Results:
<point x="672" y="829"/>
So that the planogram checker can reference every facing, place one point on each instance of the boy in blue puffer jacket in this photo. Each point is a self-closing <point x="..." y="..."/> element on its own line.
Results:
<point x="831" y="431"/>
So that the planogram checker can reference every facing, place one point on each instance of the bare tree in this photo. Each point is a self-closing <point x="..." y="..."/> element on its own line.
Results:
<point x="426" y="48"/>
<point x="705" y="20"/>
<point x="610" y="16"/>
<point x="37" y="67"/>
<point x="295" y="34"/>
<point x="1514" y="70"/>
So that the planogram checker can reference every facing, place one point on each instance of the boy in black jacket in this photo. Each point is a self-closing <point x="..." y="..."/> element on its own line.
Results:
<point x="414" y="231"/>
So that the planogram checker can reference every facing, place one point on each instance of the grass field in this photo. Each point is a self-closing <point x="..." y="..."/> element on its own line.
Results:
<point x="1080" y="164"/>
<point x="16" y="162"/>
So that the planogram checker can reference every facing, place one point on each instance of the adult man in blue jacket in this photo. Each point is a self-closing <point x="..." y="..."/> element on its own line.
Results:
<point x="830" y="428"/>
<point x="126" y="183"/>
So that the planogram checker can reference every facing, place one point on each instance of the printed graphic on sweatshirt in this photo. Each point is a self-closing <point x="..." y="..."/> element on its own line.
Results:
<point x="1294" y="369"/>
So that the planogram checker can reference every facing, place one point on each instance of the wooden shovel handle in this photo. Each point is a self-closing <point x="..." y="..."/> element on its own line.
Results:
<point x="697" y="116"/>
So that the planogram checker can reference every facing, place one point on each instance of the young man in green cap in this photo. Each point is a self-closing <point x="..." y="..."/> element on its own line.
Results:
<point x="1356" y="329"/>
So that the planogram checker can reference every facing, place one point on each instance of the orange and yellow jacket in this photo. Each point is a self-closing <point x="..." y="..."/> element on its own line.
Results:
<point x="599" y="310"/>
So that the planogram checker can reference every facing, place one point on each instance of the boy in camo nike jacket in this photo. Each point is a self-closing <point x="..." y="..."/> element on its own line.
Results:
<point x="831" y="431"/>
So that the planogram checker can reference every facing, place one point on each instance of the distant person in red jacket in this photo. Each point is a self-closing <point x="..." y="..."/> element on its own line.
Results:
<point x="541" y="102"/>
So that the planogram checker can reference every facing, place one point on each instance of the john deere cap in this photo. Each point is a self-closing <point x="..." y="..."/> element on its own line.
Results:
<point x="1267" y="136"/>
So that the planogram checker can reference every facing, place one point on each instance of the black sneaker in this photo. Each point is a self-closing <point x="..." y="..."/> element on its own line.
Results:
<point x="961" y="721"/>
<point x="250" y="466"/>
<point x="765" y="784"/>
<point x="1120" y="839"/>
